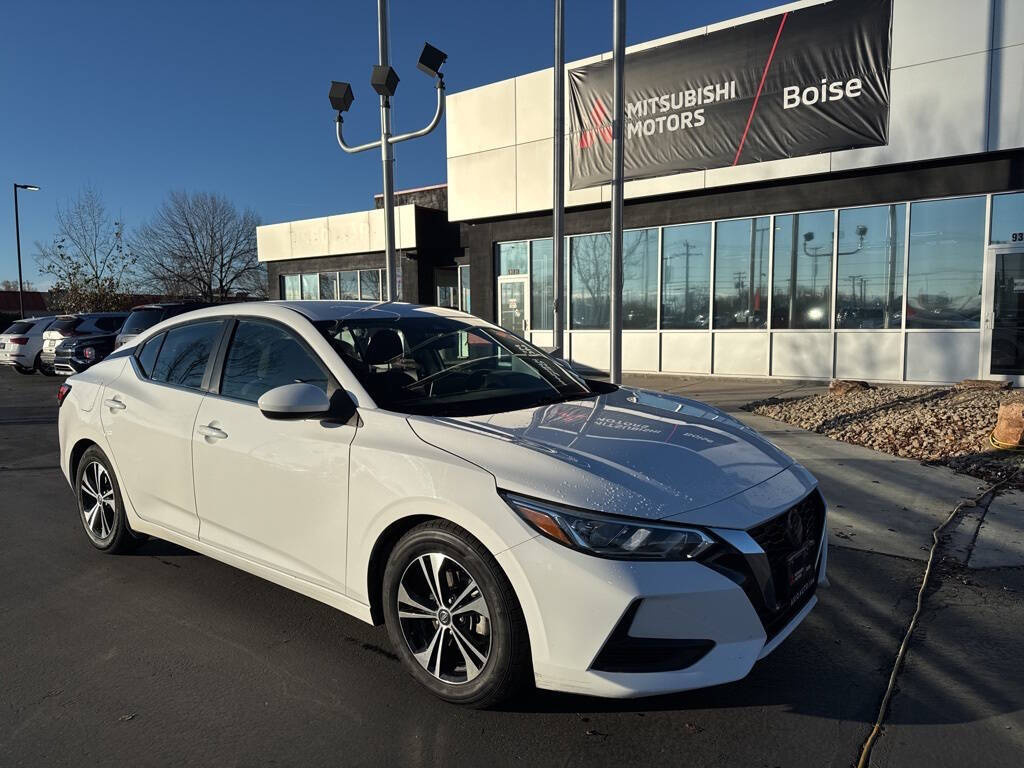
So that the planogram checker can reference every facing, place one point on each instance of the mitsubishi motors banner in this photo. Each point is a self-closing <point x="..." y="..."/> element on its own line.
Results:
<point x="806" y="81"/>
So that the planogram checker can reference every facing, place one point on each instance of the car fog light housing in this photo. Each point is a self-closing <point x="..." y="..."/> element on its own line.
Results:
<point x="610" y="536"/>
<point x="88" y="353"/>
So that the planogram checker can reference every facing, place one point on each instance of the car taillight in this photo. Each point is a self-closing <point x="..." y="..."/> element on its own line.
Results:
<point x="19" y="340"/>
<point x="62" y="392"/>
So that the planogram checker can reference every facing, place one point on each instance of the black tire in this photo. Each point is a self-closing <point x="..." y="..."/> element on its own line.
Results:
<point x="507" y="667"/>
<point x="24" y="371"/>
<point x="107" y="527"/>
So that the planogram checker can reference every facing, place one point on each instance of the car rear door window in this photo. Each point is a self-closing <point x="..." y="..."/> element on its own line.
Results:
<point x="109" y="324"/>
<point x="263" y="356"/>
<point x="147" y="355"/>
<point x="186" y="350"/>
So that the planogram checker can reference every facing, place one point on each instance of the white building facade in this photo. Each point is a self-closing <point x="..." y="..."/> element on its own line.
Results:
<point x="902" y="262"/>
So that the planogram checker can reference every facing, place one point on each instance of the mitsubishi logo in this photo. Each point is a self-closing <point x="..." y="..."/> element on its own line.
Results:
<point x="599" y="117"/>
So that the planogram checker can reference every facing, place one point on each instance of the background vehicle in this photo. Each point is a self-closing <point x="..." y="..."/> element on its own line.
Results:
<point x="22" y="342"/>
<point x="80" y="327"/>
<point x="425" y="469"/>
<point x="147" y="315"/>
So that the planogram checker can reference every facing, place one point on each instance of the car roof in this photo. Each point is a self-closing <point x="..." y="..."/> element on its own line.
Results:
<point x="341" y="310"/>
<point x="169" y="304"/>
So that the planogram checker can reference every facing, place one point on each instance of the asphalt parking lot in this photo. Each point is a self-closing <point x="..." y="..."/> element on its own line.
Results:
<point x="168" y="657"/>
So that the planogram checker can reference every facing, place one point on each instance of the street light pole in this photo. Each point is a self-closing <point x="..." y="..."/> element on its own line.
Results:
<point x="558" y="181"/>
<point x="17" y="240"/>
<point x="387" y="157"/>
<point x="384" y="81"/>
<point x="615" y="316"/>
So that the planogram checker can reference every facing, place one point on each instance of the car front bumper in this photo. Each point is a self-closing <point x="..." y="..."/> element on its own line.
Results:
<point x="574" y="603"/>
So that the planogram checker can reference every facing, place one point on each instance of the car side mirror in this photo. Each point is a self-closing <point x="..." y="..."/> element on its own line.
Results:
<point x="294" y="401"/>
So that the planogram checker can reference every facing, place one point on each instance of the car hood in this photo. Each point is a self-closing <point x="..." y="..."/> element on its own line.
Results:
<point x="628" y="452"/>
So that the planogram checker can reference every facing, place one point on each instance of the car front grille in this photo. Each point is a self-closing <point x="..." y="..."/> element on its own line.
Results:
<point x="791" y="542"/>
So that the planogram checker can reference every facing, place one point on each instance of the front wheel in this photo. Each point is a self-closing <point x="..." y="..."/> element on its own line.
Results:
<point x="100" y="505"/>
<point x="453" y="617"/>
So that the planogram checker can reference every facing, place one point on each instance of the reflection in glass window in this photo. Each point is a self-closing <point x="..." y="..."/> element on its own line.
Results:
<point x="741" y="273"/>
<point x="369" y="284"/>
<point x="348" y="285"/>
<point x="590" y="260"/>
<point x="291" y="289"/>
<point x="512" y="259"/>
<point x="328" y="285"/>
<point x="264" y="356"/>
<point x="640" y="279"/>
<point x="869" y="275"/>
<point x="542" y="285"/>
<point x="464" y="288"/>
<point x="311" y="286"/>
<point x="802" y="280"/>
<point x="685" y="276"/>
<point x="1008" y="219"/>
<point x="184" y="353"/>
<point x="944" y="276"/>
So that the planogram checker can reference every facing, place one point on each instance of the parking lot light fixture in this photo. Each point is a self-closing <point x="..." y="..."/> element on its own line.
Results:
<point x="17" y="240"/>
<point x="384" y="80"/>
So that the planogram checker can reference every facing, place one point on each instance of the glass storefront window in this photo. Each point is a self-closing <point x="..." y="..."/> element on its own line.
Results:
<point x="802" y="279"/>
<point x="590" y="261"/>
<point x="685" y="276"/>
<point x="328" y="285"/>
<point x="741" y="273"/>
<point x="311" y="286"/>
<point x="640" y="279"/>
<point x="869" y="271"/>
<point x="291" y="289"/>
<point x="369" y="284"/>
<point x="542" y="286"/>
<point x="512" y="259"/>
<point x="348" y="285"/>
<point x="464" y="303"/>
<point x="947" y="239"/>
<point x="1008" y="219"/>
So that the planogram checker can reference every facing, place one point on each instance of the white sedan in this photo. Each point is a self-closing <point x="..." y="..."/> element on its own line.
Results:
<point x="506" y="519"/>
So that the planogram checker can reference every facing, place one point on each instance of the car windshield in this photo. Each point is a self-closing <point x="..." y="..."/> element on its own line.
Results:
<point x="141" y="319"/>
<point x="440" y="366"/>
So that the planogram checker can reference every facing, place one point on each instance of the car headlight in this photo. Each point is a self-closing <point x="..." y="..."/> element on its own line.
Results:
<point x="608" y="536"/>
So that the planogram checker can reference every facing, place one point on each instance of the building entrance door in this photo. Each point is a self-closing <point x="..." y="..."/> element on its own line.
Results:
<point x="1002" y="342"/>
<point x="514" y="304"/>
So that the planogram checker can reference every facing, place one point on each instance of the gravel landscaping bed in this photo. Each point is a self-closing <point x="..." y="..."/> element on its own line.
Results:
<point x="938" y="425"/>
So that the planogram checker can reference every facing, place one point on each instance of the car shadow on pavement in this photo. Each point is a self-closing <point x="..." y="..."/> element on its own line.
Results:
<point x="159" y="548"/>
<point x="836" y="665"/>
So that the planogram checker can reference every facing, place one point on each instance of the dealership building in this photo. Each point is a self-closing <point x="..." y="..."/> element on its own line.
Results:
<point x="901" y="259"/>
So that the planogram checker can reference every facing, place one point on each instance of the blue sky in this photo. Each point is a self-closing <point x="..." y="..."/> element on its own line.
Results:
<point x="138" y="98"/>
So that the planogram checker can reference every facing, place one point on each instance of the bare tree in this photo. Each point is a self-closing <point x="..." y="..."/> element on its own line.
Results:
<point x="198" y="244"/>
<point x="91" y="265"/>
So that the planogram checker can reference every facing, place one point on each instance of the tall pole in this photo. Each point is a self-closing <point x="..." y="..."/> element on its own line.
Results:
<point x="558" y="180"/>
<point x="387" y="155"/>
<point x="618" y="60"/>
<point x="17" y="239"/>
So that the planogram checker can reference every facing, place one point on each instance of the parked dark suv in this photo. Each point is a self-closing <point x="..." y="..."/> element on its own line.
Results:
<point x="147" y="315"/>
<point x="74" y="342"/>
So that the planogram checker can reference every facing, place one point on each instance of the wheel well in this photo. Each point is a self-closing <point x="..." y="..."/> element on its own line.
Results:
<point x="76" y="456"/>
<point x="379" y="560"/>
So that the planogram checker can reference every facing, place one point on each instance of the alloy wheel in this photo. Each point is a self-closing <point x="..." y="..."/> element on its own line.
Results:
<point x="444" y="618"/>
<point x="96" y="496"/>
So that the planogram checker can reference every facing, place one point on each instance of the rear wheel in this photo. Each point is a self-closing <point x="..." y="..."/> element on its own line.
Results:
<point x="453" y="617"/>
<point x="100" y="505"/>
<point x="24" y="371"/>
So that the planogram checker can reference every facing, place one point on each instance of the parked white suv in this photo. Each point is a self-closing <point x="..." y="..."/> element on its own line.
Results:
<point x="22" y="342"/>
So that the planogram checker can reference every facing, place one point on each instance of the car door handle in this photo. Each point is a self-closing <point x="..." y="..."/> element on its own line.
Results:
<point x="208" y="430"/>
<point x="114" y="404"/>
